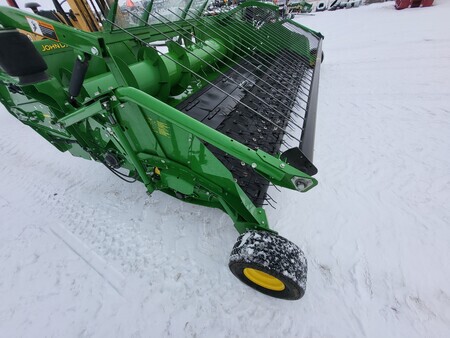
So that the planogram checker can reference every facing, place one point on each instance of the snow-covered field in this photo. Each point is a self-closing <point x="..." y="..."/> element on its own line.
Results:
<point x="83" y="254"/>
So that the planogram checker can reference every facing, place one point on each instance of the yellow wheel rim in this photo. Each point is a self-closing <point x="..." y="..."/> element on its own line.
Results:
<point x="264" y="280"/>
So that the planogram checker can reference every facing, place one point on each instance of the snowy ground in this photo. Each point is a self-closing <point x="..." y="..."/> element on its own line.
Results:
<point x="83" y="254"/>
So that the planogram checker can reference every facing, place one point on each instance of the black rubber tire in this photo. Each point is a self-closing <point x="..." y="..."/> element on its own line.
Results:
<point x="314" y="52"/>
<point x="274" y="255"/>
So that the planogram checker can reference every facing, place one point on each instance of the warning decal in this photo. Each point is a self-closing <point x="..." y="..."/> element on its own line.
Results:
<point x="42" y="28"/>
<point x="159" y="127"/>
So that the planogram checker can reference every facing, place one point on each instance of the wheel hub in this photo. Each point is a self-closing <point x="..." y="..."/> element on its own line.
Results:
<point x="264" y="280"/>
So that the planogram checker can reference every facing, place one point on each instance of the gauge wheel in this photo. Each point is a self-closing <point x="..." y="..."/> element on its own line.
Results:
<point x="314" y="54"/>
<point x="270" y="264"/>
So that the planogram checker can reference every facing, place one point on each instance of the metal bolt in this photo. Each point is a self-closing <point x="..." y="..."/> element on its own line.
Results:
<point x="282" y="165"/>
<point x="300" y="185"/>
<point x="94" y="50"/>
<point x="253" y="165"/>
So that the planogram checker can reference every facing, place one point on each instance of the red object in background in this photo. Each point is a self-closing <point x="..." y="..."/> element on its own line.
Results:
<point x="415" y="3"/>
<point x="402" y="4"/>
<point x="427" y="3"/>
<point x="12" y="3"/>
<point x="130" y="3"/>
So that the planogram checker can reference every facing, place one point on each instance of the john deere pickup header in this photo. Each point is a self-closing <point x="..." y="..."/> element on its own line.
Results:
<point x="208" y="109"/>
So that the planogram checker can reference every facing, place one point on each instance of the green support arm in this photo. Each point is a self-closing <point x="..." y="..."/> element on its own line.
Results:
<point x="277" y="170"/>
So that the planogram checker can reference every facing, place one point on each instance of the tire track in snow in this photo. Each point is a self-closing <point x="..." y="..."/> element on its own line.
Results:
<point x="114" y="278"/>
<point x="122" y="243"/>
<point x="41" y="183"/>
<point x="42" y="193"/>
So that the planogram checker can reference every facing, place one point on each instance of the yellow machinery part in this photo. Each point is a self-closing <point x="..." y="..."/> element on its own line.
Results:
<point x="264" y="279"/>
<point x="85" y="18"/>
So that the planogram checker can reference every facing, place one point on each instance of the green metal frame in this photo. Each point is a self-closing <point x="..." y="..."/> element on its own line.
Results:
<point x="127" y="106"/>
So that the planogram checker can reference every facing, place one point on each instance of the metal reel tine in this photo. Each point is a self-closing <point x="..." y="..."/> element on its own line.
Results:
<point x="215" y="68"/>
<point x="203" y="78"/>
<point x="234" y="62"/>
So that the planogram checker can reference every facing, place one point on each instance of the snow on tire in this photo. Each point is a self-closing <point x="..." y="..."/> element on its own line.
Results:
<point x="270" y="264"/>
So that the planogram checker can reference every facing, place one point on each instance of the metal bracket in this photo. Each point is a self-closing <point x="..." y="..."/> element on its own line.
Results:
<point x="298" y="160"/>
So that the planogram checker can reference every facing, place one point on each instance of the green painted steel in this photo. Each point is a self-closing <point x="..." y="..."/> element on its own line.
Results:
<point x="126" y="108"/>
